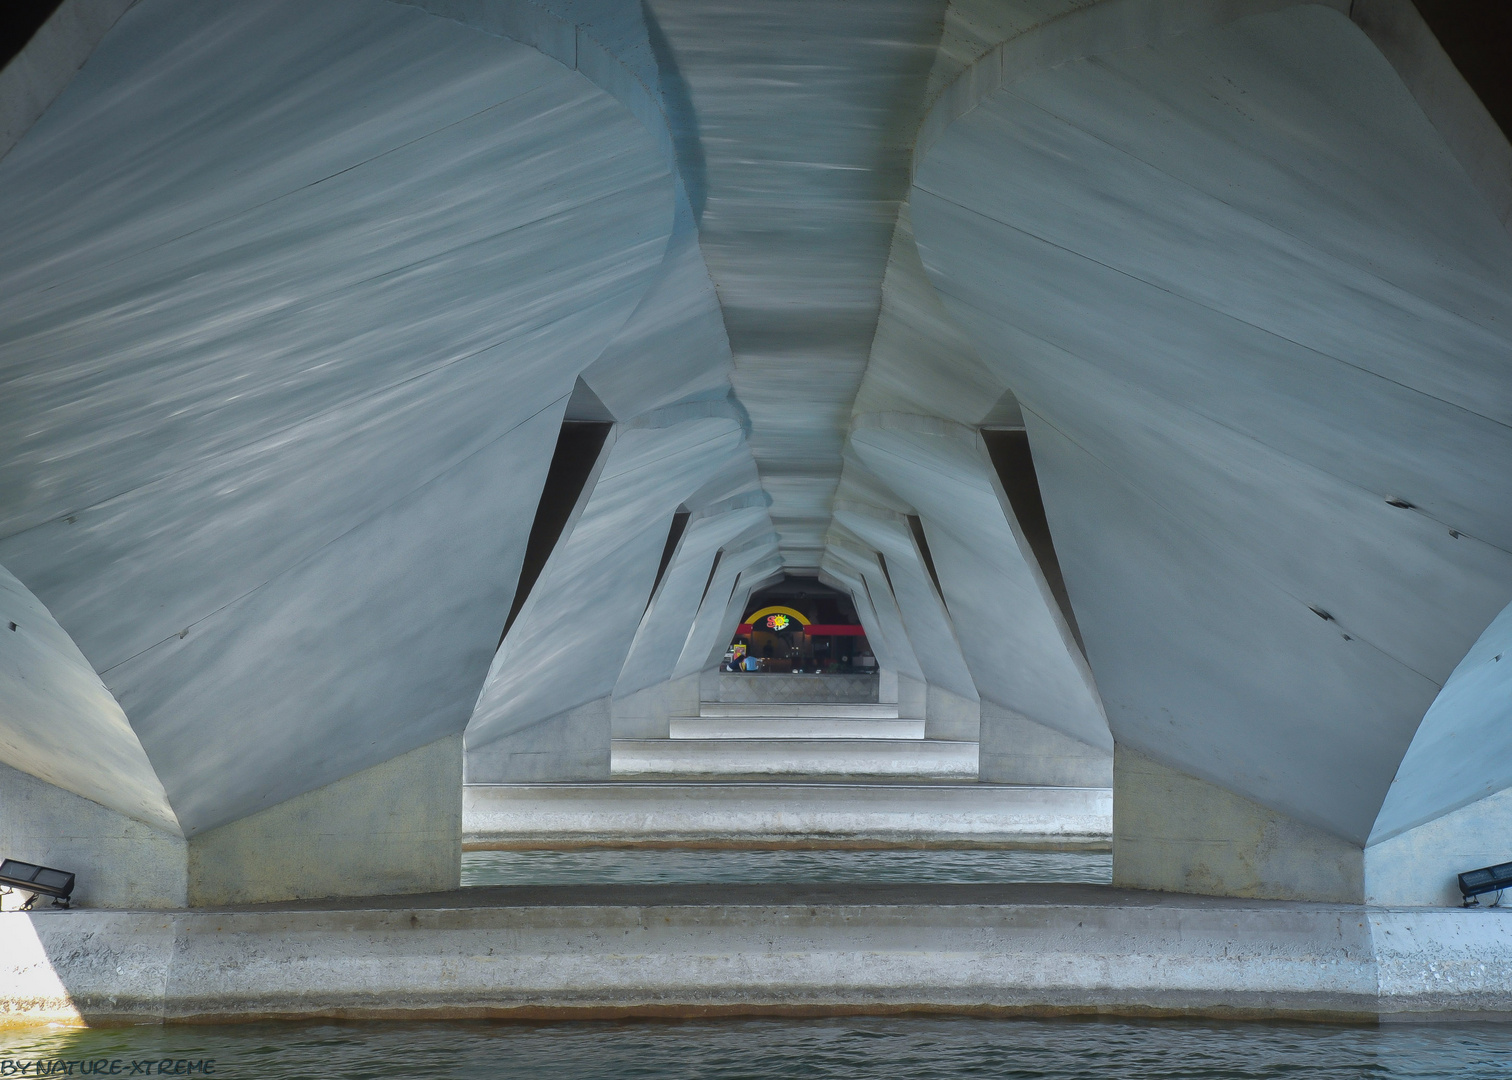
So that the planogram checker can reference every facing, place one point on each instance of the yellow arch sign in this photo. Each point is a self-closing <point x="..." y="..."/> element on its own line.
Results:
<point x="757" y="618"/>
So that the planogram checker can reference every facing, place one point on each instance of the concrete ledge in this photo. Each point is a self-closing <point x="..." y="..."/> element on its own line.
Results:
<point x="793" y="757"/>
<point x="798" y="708"/>
<point x="697" y="951"/>
<point x="624" y="814"/>
<point x="790" y="727"/>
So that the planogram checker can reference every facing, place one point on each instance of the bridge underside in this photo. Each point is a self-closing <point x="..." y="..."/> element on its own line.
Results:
<point x="400" y="397"/>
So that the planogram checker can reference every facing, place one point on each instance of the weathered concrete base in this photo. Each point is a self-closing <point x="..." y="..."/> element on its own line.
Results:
<point x="645" y="713"/>
<point x="793" y="757"/>
<point x="1172" y="831"/>
<point x="771" y="814"/>
<point x="759" y="949"/>
<point x="1017" y="750"/>
<point x="950" y="716"/>
<point x="1419" y="866"/>
<point x="572" y="745"/>
<point x="394" y="828"/>
<point x="120" y="862"/>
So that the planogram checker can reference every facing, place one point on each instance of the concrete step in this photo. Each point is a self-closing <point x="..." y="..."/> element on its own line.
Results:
<point x="816" y="709"/>
<point x="793" y="757"/>
<point x="798" y="813"/>
<point x="792" y="727"/>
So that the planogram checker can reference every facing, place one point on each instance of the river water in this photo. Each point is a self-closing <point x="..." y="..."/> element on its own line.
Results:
<point x="860" y="1048"/>
<point x="684" y="866"/>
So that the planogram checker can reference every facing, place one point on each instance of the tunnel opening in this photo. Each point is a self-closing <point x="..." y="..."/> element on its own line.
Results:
<point x="800" y="626"/>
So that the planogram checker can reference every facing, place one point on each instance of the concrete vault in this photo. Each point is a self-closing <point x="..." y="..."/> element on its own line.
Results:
<point x="404" y="394"/>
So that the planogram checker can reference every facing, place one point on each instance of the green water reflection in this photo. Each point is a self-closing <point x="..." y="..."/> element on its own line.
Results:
<point x="874" y="1049"/>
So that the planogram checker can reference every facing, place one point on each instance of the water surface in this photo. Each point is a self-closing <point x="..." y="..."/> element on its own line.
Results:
<point x="892" y="1048"/>
<point x="698" y="866"/>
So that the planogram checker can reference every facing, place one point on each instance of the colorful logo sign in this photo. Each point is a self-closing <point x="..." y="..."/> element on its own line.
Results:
<point x="778" y="622"/>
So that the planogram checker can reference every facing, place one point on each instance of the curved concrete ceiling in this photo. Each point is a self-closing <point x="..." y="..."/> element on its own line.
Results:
<point x="285" y="291"/>
<point x="1227" y="273"/>
<point x="293" y="299"/>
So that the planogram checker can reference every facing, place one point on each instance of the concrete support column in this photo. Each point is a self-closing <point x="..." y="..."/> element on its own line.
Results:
<point x="393" y="828"/>
<point x="1175" y="833"/>
<point x="1017" y="750"/>
<point x="119" y="862"/>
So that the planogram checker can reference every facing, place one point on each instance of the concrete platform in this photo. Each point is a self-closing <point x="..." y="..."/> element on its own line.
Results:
<point x="796" y="814"/>
<point x="793" y="757"/>
<point x="847" y="711"/>
<point x="792" y="727"/>
<point x="759" y="950"/>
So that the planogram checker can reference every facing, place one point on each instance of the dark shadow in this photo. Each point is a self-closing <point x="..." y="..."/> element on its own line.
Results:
<point x="1015" y="468"/>
<point x="1477" y="35"/>
<point x="577" y="450"/>
<point x="916" y="526"/>
<point x="19" y="21"/>
<point x="713" y="569"/>
<point x="674" y="534"/>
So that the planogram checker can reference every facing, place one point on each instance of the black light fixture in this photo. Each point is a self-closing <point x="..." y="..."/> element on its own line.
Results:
<point x="1474" y="883"/>
<point x="37" y="880"/>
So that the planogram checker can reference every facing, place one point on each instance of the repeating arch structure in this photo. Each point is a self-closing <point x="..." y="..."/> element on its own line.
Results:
<point x="1138" y="368"/>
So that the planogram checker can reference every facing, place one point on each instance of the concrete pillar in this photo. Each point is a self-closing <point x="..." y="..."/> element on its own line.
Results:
<point x="1175" y="833"/>
<point x="393" y="828"/>
<point x="120" y="862"/>
<point x="1017" y="750"/>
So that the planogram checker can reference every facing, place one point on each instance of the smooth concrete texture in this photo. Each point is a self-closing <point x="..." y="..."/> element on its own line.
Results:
<point x="1015" y="642"/>
<point x="880" y="618"/>
<point x="571" y="639"/>
<point x="1017" y="750"/>
<point x="1176" y="833"/>
<point x="761" y="949"/>
<point x="119" y="861"/>
<point x="572" y="745"/>
<point x="779" y="688"/>
<point x="793" y="727"/>
<point x="1460" y="752"/>
<point x="793" y="757"/>
<point x="714" y="625"/>
<point x="38" y="74"/>
<point x="646" y="713"/>
<point x="394" y="828"/>
<point x="799" y="213"/>
<point x="58" y="721"/>
<point x="829" y="709"/>
<point x="1420" y="866"/>
<point x="784" y="814"/>
<point x="684" y="588"/>
<point x="950" y="716"/>
<point x="931" y="631"/>
<point x="263" y="368"/>
<point x="1224" y="271"/>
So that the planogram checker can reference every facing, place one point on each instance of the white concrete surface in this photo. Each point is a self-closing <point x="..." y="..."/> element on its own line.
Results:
<point x="1177" y="833"/>
<point x="1225" y="262"/>
<point x="783" y="813"/>
<point x="835" y="710"/>
<point x="688" y="951"/>
<point x="265" y="365"/>
<point x="394" y="828"/>
<point x="793" y="757"/>
<point x="119" y="862"/>
<point x="792" y="727"/>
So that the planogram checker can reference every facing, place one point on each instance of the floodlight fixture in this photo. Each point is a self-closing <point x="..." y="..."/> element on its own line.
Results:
<point x="37" y="880"/>
<point x="1475" y="883"/>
